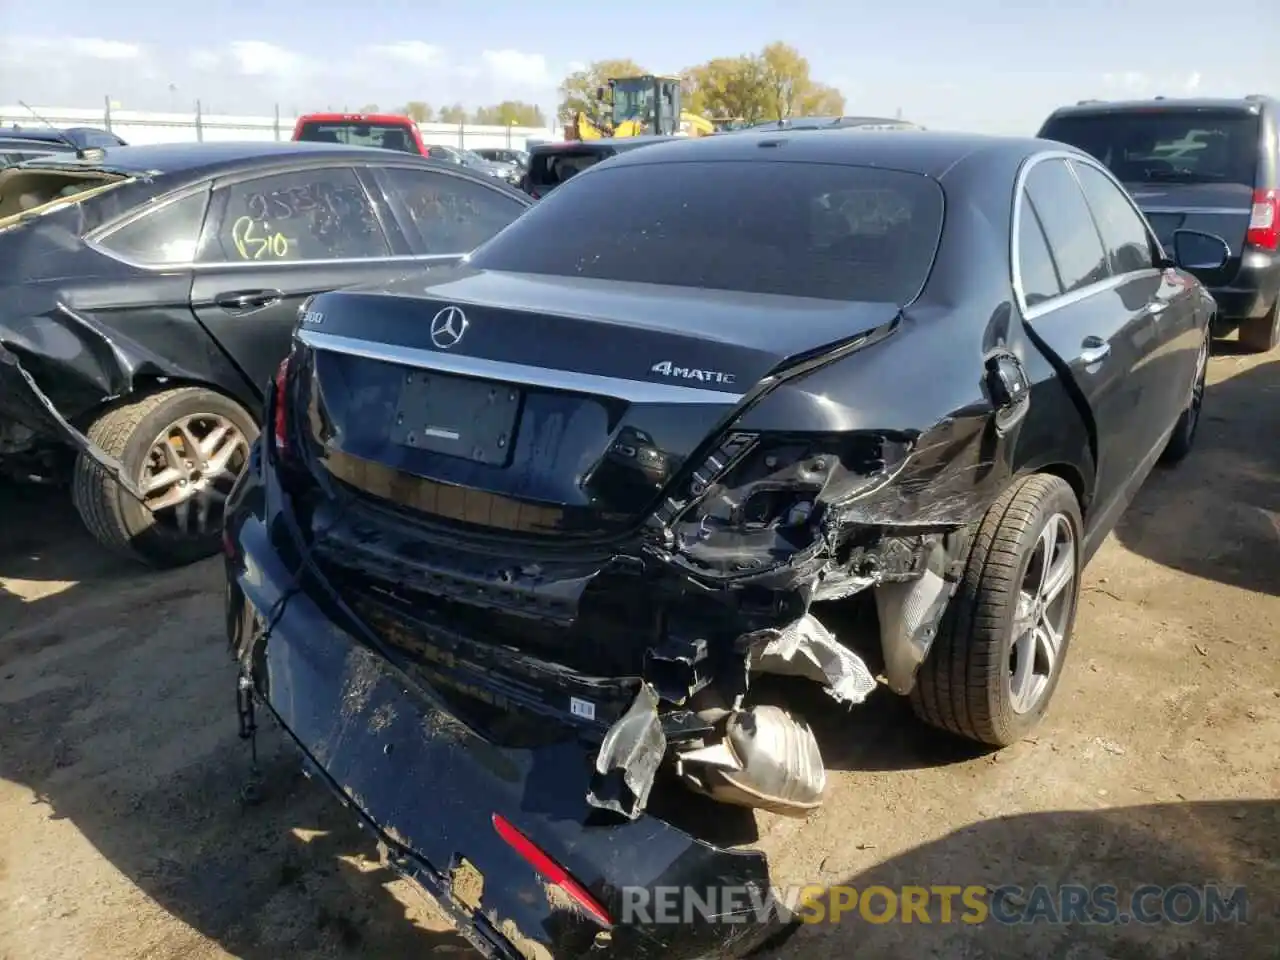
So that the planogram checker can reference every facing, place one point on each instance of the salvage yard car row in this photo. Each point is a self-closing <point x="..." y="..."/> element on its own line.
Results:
<point x="538" y="505"/>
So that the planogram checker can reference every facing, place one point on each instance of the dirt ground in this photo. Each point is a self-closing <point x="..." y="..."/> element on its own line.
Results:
<point x="122" y="835"/>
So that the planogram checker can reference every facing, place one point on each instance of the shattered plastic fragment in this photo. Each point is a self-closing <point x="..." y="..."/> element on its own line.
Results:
<point x="807" y="649"/>
<point x="629" y="757"/>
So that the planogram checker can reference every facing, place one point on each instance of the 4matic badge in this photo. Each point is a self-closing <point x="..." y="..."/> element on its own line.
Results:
<point x="668" y="369"/>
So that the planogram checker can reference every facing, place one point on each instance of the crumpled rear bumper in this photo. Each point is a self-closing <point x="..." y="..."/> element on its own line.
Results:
<point x="430" y="785"/>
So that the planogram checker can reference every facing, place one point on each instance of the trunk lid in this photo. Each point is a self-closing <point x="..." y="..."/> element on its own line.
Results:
<point x="537" y="406"/>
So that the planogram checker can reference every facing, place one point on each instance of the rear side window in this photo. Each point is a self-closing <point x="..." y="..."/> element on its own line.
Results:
<point x="798" y="229"/>
<point x="167" y="235"/>
<point x="1073" y="239"/>
<point x="1125" y="235"/>
<point x="553" y="168"/>
<point x="445" y="213"/>
<point x="387" y="136"/>
<point x="321" y="214"/>
<point x="1038" y="275"/>
<point x="1163" y="145"/>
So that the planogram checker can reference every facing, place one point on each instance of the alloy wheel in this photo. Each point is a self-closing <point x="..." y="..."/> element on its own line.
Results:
<point x="1043" y="612"/>
<point x="190" y="470"/>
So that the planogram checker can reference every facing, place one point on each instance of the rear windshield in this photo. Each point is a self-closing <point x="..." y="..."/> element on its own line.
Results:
<point x="388" y="136"/>
<point x="800" y="229"/>
<point x="552" y="168"/>
<point x="1169" y="146"/>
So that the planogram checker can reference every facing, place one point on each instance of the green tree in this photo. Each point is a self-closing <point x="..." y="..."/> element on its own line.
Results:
<point x="771" y="85"/>
<point x="455" y="114"/>
<point x="418" y="111"/>
<point x="578" y="89"/>
<point x="729" y="87"/>
<point x="511" y="113"/>
<point x="785" y="78"/>
<point x="822" y="101"/>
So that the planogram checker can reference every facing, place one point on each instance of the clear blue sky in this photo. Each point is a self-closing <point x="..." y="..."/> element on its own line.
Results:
<point x="991" y="64"/>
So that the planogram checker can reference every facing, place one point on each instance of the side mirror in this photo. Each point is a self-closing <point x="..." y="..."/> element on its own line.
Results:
<point x="600" y="94"/>
<point x="1194" y="250"/>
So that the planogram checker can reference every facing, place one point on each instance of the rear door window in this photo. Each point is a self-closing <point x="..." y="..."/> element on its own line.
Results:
<point x="1123" y="231"/>
<point x="1077" y="250"/>
<point x="446" y="213"/>
<point x="320" y="214"/>
<point x="386" y="136"/>
<point x="820" y="230"/>
<point x="1163" y="145"/>
<point x="552" y="168"/>
<point x="165" y="236"/>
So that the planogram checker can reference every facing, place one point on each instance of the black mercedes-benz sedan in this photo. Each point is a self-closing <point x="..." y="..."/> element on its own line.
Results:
<point x="148" y="293"/>
<point x="527" y="534"/>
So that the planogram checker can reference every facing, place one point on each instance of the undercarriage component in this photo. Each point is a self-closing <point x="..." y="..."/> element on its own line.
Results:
<point x="629" y="758"/>
<point x="909" y="614"/>
<point x="767" y="760"/>
<point x="807" y="649"/>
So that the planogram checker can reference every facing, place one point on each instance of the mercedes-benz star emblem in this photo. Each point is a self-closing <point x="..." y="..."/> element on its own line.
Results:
<point x="447" y="327"/>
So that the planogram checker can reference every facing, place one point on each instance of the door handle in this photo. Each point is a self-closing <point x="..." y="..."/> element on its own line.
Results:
<point x="247" y="299"/>
<point x="1157" y="307"/>
<point x="1094" y="350"/>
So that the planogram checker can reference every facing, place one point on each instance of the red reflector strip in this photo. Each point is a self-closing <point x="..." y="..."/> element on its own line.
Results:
<point x="280" y="426"/>
<point x="549" y="869"/>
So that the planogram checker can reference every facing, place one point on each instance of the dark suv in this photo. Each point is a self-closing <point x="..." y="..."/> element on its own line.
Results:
<point x="551" y="164"/>
<point x="1207" y="165"/>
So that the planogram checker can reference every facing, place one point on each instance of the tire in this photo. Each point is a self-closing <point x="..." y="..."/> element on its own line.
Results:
<point x="130" y="433"/>
<point x="1261" y="334"/>
<point x="965" y="685"/>
<point x="1184" y="431"/>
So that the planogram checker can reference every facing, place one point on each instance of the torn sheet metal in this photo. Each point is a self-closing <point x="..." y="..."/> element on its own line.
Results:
<point x="21" y="389"/>
<point x="807" y="649"/>
<point x="629" y="757"/>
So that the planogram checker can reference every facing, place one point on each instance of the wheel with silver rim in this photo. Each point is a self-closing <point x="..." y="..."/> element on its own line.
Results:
<point x="184" y="449"/>
<point x="993" y="668"/>
<point x="1184" y="431"/>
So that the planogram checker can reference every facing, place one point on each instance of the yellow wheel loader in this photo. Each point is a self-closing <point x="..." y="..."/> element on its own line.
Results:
<point x="637" y="107"/>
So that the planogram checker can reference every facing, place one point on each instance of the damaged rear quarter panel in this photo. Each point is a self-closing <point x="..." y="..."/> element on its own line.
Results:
<point x="93" y="339"/>
<point x="927" y="380"/>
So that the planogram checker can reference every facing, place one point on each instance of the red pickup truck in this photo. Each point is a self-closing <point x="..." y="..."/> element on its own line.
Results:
<point x="386" y="130"/>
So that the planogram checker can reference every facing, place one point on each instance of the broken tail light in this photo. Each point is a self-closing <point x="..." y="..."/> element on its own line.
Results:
<point x="280" y="406"/>
<point x="770" y="502"/>
<point x="550" y="871"/>
<point x="1264" y="220"/>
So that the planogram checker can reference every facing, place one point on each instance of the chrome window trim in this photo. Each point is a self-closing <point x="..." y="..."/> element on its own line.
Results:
<point x="1084" y="293"/>
<point x="635" y="391"/>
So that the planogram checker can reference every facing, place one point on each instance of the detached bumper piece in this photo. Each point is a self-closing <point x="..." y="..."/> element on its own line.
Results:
<point x="501" y="836"/>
